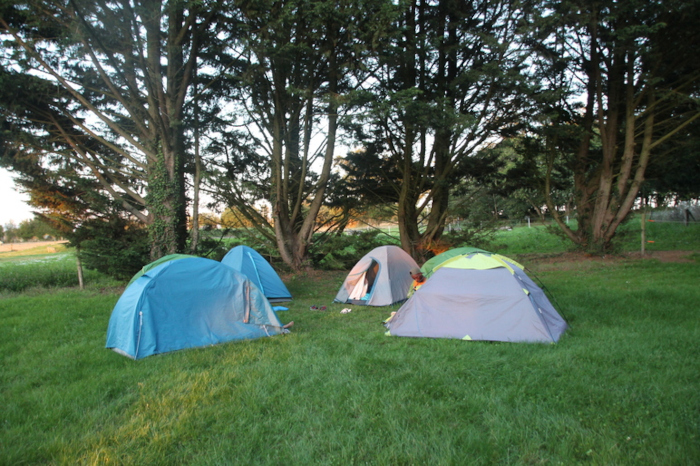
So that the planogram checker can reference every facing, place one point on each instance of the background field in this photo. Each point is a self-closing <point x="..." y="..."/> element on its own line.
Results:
<point x="620" y="387"/>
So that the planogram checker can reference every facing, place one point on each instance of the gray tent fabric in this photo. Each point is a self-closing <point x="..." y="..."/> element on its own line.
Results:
<point x="495" y="304"/>
<point x="380" y="278"/>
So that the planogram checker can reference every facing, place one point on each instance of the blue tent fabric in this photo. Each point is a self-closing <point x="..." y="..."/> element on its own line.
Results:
<point x="156" y="263"/>
<point x="250" y="263"/>
<point x="188" y="303"/>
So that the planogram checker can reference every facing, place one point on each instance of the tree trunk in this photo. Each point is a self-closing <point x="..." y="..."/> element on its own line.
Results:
<point x="165" y="203"/>
<point x="294" y="236"/>
<point x="196" y="180"/>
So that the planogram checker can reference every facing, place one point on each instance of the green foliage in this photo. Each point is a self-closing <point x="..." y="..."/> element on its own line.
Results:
<point x="587" y="128"/>
<point x="676" y="174"/>
<point x="48" y="272"/>
<point x="116" y="248"/>
<point x="215" y="244"/>
<point x="212" y="245"/>
<point x="136" y="85"/>
<point x="33" y="228"/>
<point x="341" y="252"/>
<point x="475" y="237"/>
<point x="336" y="390"/>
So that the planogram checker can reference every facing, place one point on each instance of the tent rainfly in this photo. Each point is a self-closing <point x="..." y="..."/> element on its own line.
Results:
<point x="187" y="303"/>
<point x="156" y="263"/>
<point x="433" y="263"/>
<point x="259" y="271"/>
<point x="479" y="296"/>
<point x="380" y="278"/>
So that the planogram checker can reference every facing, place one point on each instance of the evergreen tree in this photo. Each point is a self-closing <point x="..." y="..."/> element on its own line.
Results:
<point x="116" y="79"/>
<point x="452" y="78"/>
<point x="303" y="61"/>
<point x="635" y="62"/>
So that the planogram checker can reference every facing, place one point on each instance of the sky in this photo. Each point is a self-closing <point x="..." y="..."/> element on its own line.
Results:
<point x="13" y="204"/>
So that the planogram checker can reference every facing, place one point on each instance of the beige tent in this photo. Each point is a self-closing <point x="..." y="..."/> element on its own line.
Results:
<point x="380" y="278"/>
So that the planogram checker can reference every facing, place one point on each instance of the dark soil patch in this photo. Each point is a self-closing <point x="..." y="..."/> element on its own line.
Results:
<point x="666" y="256"/>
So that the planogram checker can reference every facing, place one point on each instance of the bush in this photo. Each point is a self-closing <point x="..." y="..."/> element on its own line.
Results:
<point x="214" y="244"/>
<point x="470" y="237"/>
<point x="341" y="252"/>
<point x="117" y="248"/>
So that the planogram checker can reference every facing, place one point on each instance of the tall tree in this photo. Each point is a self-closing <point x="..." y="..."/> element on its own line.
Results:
<point x="125" y="72"/>
<point x="303" y="60"/>
<point x="639" y="81"/>
<point x="452" y="79"/>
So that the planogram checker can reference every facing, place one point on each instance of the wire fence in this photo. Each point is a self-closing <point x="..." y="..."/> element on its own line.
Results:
<point x="685" y="213"/>
<point x="688" y="214"/>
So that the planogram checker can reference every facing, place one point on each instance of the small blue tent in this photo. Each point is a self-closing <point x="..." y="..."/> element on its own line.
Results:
<point x="187" y="303"/>
<point x="259" y="271"/>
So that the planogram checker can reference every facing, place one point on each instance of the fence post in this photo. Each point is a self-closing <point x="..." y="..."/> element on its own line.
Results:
<point x="644" y="231"/>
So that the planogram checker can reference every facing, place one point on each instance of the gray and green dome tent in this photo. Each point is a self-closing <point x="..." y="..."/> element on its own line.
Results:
<point x="479" y="296"/>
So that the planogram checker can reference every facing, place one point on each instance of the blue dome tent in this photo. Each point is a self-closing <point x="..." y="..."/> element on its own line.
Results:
<point x="259" y="271"/>
<point x="187" y="303"/>
<point x="156" y="263"/>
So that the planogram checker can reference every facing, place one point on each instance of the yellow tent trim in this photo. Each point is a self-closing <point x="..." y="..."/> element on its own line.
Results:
<point x="448" y="261"/>
<point x="505" y="264"/>
<point x="467" y="337"/>
<point x="504" y="258"/>
<point x="478" y="261"/>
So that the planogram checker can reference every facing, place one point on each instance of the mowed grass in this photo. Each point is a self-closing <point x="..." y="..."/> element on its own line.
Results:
<point x="622" y="386"/>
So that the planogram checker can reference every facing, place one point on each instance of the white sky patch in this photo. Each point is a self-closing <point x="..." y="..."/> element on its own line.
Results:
<point x="13" y="204"/>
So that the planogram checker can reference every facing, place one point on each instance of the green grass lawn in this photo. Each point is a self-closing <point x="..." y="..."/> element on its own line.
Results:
<point x="660" y="236"/>
<point x="622" y="386"/>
